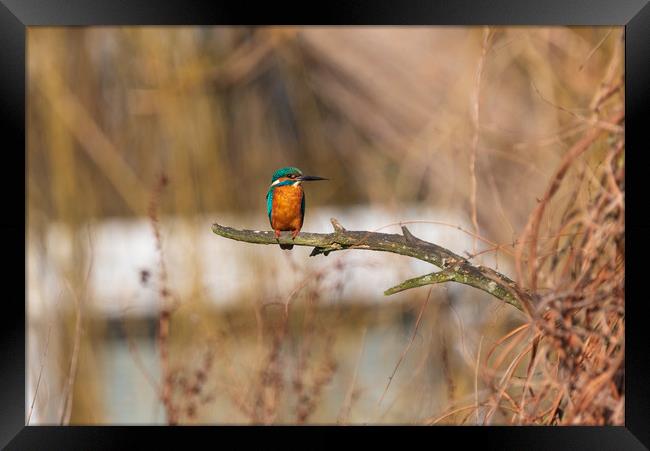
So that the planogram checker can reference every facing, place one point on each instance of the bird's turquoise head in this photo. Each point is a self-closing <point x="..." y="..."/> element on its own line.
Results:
<point x="286" y="172"/>
<point x="289" y="175"/>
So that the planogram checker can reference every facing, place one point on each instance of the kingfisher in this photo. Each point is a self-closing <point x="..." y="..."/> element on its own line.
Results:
<point x="285" y="201"/>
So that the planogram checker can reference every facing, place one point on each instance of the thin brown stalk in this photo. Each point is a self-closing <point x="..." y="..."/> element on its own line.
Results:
<point x="40" y="373"/>
<point x="66" y="406"/>
<point x="165" y="311"/>
<point x="408" y="346"/>
<point x="476" y="371"/>
<point x="434" y="420"/>
<point x="595" y="49"/>
<point x="476" y="117"/>
<point x="344" y="413"/>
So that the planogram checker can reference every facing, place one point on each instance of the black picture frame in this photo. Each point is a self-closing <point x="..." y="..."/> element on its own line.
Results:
<point x="16" y="15"/>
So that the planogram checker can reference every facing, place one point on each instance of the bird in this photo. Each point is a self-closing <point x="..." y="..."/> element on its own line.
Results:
<point x="285" y="201"/>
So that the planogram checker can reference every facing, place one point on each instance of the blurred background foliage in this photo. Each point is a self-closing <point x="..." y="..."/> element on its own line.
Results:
<point x="394" y="116"/>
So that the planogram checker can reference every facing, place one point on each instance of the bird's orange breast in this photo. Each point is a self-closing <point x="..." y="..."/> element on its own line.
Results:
<point x="286" y="213"/>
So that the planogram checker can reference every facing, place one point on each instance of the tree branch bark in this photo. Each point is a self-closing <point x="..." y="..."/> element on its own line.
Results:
<point x="454" y="268"/>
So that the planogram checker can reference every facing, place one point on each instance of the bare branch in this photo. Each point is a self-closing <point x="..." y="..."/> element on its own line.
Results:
<point x="454" y="267"/>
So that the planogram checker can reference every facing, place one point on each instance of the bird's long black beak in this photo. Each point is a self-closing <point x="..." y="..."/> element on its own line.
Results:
<point x="309" y="178"/>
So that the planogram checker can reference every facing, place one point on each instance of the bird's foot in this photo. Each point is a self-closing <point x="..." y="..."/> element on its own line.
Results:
<point x="294" y="234"/>
<point x="277" y="234"/>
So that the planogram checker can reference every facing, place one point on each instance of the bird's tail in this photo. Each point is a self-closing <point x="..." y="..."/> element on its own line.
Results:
<point x="286" y="247"/>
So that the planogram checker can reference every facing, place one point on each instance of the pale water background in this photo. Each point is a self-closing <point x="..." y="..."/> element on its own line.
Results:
<point x="227" y="273"/>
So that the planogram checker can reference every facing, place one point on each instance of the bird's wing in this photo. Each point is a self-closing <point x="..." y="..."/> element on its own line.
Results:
<point x="269" y="203"/>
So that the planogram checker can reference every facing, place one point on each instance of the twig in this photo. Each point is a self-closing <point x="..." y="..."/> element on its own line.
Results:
<point x="593" y="122"/>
